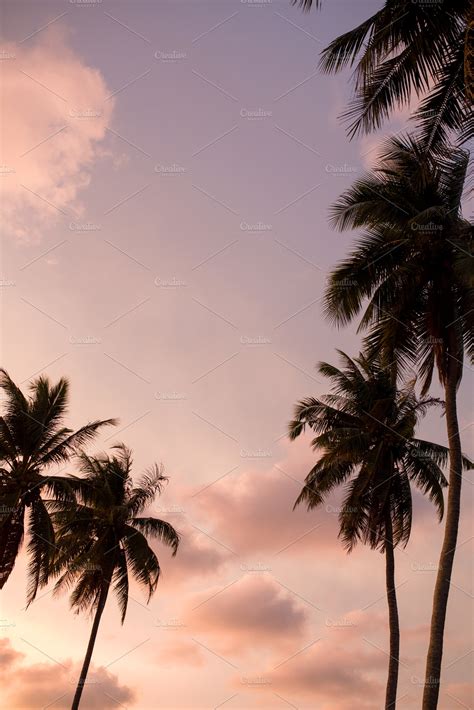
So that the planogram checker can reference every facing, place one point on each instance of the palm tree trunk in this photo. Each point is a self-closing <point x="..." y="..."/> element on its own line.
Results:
<point x="90" y="647"/>
<point x="394" y="626"/>
<point x="443" y="579"/>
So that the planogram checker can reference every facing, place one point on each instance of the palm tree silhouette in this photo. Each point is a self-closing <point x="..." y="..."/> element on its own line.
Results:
<point x="407" y="49"/>
<point x="413" y="264"/>
<point x="32" y="439"/>
<point x="365" y="432"/>
<point x="104" y="537"/>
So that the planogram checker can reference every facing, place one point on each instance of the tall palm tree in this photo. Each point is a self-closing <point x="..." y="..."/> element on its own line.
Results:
<point x="105" y="536"/>
<point x="410" y="273"/>
<point x="365" y="436"/>
<point x="408" y="48"/>
<point x="33" y="438"/>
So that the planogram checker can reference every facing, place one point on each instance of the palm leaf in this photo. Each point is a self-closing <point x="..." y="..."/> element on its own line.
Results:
<point x="163" y="531"/>
<point x="41" y="546"/>
<point x="11" y="538"/>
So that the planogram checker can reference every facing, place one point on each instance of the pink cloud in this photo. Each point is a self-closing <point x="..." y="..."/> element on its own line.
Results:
<point x="334" y="676"/>
<point x="56" y="113"/>
<point x="198" y="555"/>
<point x="178" y="652"/>
<point x="44" y="684"/>
<point x="252" y="612"/>
<point x="252" y="512"/>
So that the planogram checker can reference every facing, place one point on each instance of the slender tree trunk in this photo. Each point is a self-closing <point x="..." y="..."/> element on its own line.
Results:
<point x="90" y="646"/>
<point x="392" y="680"/>
<point x="443" y="579"/>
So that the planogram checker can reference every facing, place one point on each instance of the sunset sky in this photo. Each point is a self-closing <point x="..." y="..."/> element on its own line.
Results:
<point x="167" y="168"/>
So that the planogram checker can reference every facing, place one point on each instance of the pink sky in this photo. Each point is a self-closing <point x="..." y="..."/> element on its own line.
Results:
<point x="167" y="170"/>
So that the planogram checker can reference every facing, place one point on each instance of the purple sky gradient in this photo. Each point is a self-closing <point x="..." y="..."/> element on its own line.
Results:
<point x="189" y="152"/>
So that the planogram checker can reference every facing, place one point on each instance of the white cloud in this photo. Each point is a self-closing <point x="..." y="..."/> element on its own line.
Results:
<point x="55" y="116"/>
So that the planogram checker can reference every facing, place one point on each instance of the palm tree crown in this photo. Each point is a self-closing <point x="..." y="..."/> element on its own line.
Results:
<point x="33" y="438"/>
<point x="104" y="536"/>
<point x="409" y="48"/>
<point x="365" y="430"/>
<point x="413" y="261"/>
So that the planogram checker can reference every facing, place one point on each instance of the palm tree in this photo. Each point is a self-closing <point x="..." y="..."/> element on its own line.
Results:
<point x="407" y="49"/>
<point x="413" y="265"/>
<point x="32" y="439"/>
<point x="105" y="536"/>
<point x="365" y="435"/>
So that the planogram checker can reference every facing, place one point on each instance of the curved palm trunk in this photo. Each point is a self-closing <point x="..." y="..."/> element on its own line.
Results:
<point x="443" y="579"/>
<point x="90" y="647"/>
<point x="394" y="626"/>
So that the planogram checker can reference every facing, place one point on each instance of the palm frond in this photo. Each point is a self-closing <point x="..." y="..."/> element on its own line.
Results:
<point x="149" y="486"/>
<point x="141" y="559"/>
<point x="40" y="548"/>
<point x="428" y="477"/>
<point x="444" y="110"/>
<point x="160" y="529"/>
<point x="120" y="583"/>
<point x="344" y="50"/>
<point x="306" y="5"/>
<point x="60" y="448"/>
<point x="11" y="538"/>
<point x="403" y="52"/>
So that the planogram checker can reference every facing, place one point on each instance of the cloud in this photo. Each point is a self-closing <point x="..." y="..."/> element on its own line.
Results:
<point x="252" y="512"/>
<point x="198" y="555"/>
<point x="336" y="677"/>
<point x="332" y="666"/>
<point x="8" y="655"/>
<point x="42" y="684"/>
<point x="55" y="117"/>
<point x="178" y="652"/>
<point x="255" y="611"/>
